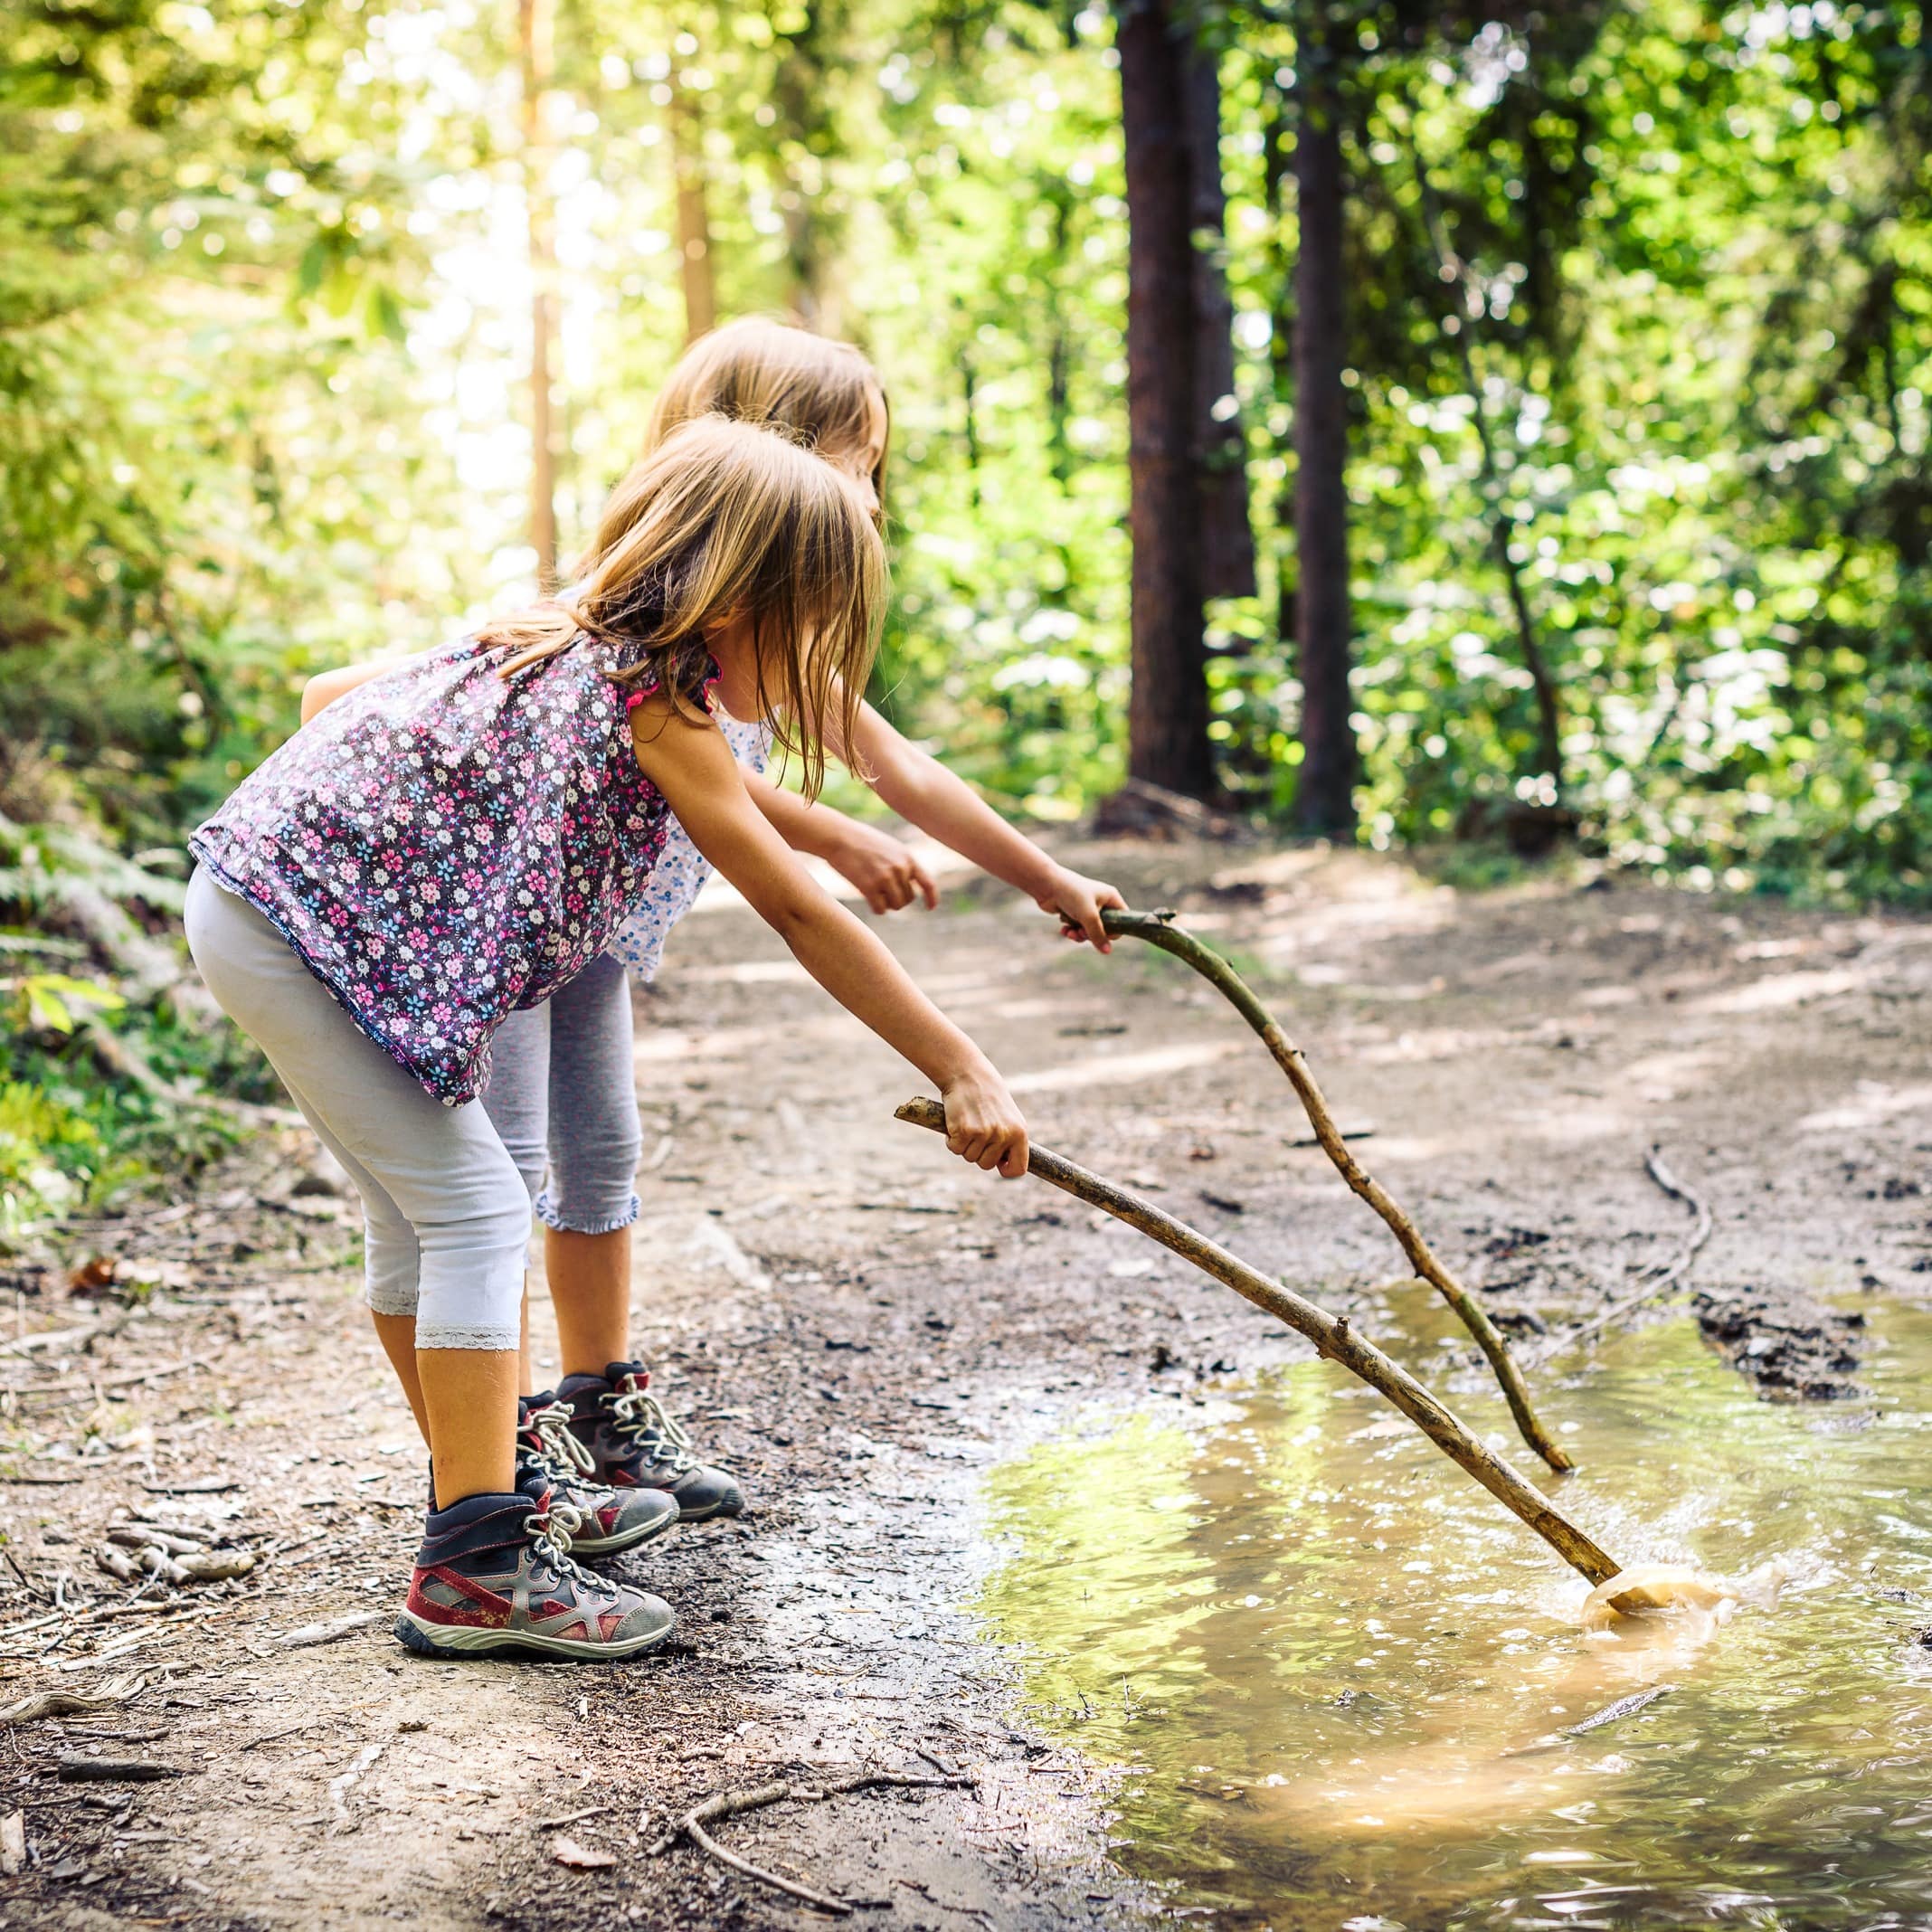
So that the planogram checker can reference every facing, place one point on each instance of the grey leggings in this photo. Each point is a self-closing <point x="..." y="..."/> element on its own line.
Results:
<point x="447" y="1221"/>
<point x="562" y="1092"/>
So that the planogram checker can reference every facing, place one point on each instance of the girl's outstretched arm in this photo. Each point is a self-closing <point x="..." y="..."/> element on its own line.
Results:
<point x="690" y="763"/>
<point x="888" y="875"/>
<point x="921" y="789"/>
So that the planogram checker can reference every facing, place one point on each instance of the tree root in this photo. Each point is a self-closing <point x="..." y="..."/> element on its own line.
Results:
<point x="1332" y="1337"/>
<point x="1665" y="1280"/>
<point x="735" y="1804"/>
<point x="1157" y="929"/>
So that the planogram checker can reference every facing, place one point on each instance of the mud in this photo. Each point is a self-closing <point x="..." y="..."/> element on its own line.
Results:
<point x="1791" y="1349"/>
<point x="862" y="1327"/>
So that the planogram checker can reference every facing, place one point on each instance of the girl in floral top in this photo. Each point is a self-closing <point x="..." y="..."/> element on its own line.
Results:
<point x="563" y="1095"/>
<point x="455" y="841"/>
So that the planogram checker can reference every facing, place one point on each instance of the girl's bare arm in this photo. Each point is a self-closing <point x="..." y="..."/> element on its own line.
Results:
<point x="879" y="865"/>
<point x="919" y="789"/>
<point x="691" y="764"/>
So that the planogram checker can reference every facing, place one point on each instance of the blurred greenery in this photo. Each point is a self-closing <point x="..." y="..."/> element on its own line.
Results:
<point x="265" y="323"/>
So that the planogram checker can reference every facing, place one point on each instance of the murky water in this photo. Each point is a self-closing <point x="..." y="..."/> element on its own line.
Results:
<point x="1337" y="1673"/>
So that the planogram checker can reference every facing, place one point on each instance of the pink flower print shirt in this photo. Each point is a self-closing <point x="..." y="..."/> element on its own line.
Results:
<point x="442" y="846"/>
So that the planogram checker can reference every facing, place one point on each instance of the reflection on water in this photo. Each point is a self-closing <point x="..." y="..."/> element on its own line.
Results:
<point x="1338" y="1674"/>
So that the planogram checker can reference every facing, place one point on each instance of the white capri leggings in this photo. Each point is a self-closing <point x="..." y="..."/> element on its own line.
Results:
<point x="562" y="1094"/>
<point x="446" y="1215"/>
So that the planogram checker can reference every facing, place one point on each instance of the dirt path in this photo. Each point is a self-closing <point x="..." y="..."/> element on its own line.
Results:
<point x="862" y="1327"/>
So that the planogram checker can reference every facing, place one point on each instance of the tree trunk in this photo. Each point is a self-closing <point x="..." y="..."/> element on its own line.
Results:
<point x="536" y="21"/>
<point x="694" y="219"/>
<point x="1059" y="356"/>
<point x="808" y="72"/>
<point x="970" y="396"/>
<point x="1166" y="725"/>
<point x="1325" y="786"/>
<point x="1277" y="175"/>
<point x="1227" y="544"/>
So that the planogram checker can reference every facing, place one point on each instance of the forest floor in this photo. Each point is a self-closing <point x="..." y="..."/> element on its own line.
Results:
<point x="862" y="1326"/>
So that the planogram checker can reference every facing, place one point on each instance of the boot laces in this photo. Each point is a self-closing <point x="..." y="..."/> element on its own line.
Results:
<point x="638" y="1412"/>
<point x="550" y="1528"/>
<point x="560" y="1443"/>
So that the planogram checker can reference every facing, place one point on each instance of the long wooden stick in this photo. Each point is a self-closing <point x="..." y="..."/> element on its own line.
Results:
<point x="1333" y="1338"/>
<point x="1157" y="929"/>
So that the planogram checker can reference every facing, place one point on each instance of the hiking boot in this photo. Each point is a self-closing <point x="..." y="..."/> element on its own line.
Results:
<point x="636" y="1445"/>
<point x="608" y="1519"/>
<point x="492" y="1575"/>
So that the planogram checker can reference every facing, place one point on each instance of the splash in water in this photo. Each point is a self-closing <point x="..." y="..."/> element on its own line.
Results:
<point x="1340" y="1682"/>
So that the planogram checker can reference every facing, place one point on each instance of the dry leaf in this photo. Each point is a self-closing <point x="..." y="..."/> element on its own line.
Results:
<point x="579" y="1858"/>
<point x="91" y="1276"/>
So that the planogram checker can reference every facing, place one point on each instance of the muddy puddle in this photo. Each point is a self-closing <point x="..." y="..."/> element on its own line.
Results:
<point x="1334" y="1676"/>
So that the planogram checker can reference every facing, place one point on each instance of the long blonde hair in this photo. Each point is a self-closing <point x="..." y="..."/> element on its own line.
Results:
<point x="722" y="521"/>
<point x="753" y="370"/>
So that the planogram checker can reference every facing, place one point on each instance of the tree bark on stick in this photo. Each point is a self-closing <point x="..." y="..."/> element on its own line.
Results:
<point x="535" y="22"/>
<point x="1325" y="786"/>
<point x="1159" y="929"/>
<point x="1166" y="720"/>
<point x="1333" y="1339"/>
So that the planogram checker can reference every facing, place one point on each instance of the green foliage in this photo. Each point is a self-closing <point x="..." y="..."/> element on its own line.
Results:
<point x="1690" y="280"/>
<point x="51" y="1000"/>
<point x="264" y="324"/>
<point x="75" y="1134"/>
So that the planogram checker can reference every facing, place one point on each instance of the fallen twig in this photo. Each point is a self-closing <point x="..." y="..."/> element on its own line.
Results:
<point x="114" y="1771"/>
<point x="575" y="1817"/>
<point x="1157" y="929"/>
<point x="1625" y="1706"/>
<point x="51" y="1339"/>
<point x="39" y="1622"/>
<point x="734" y="1803"/>
<point x="289" y="1730"/>
<point x="305" y="1636"/>
<point x="1667" y="1279"/>
<point x="144" y="1535"/>
<point x="95" y="1386"/>
<point x="58" y="1704"/>
<point x="1333" y="1338"/>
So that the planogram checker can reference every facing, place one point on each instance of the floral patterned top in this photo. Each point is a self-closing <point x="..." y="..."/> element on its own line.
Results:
<point x="682" y="869"/>
<point x="443" y="846"/>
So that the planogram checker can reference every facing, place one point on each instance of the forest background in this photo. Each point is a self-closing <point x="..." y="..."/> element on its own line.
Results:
<point x="1402" y="422"/>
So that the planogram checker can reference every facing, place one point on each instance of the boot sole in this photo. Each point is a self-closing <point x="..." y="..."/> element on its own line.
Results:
<point x="731" y="1505"/>
<point x="437" y="1640"/>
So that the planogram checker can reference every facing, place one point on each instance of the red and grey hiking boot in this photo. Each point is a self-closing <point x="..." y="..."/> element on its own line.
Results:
<point x="636" y="1445"/>
<point x="492" y="1575"/>
<point x="608" y="1519"/>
